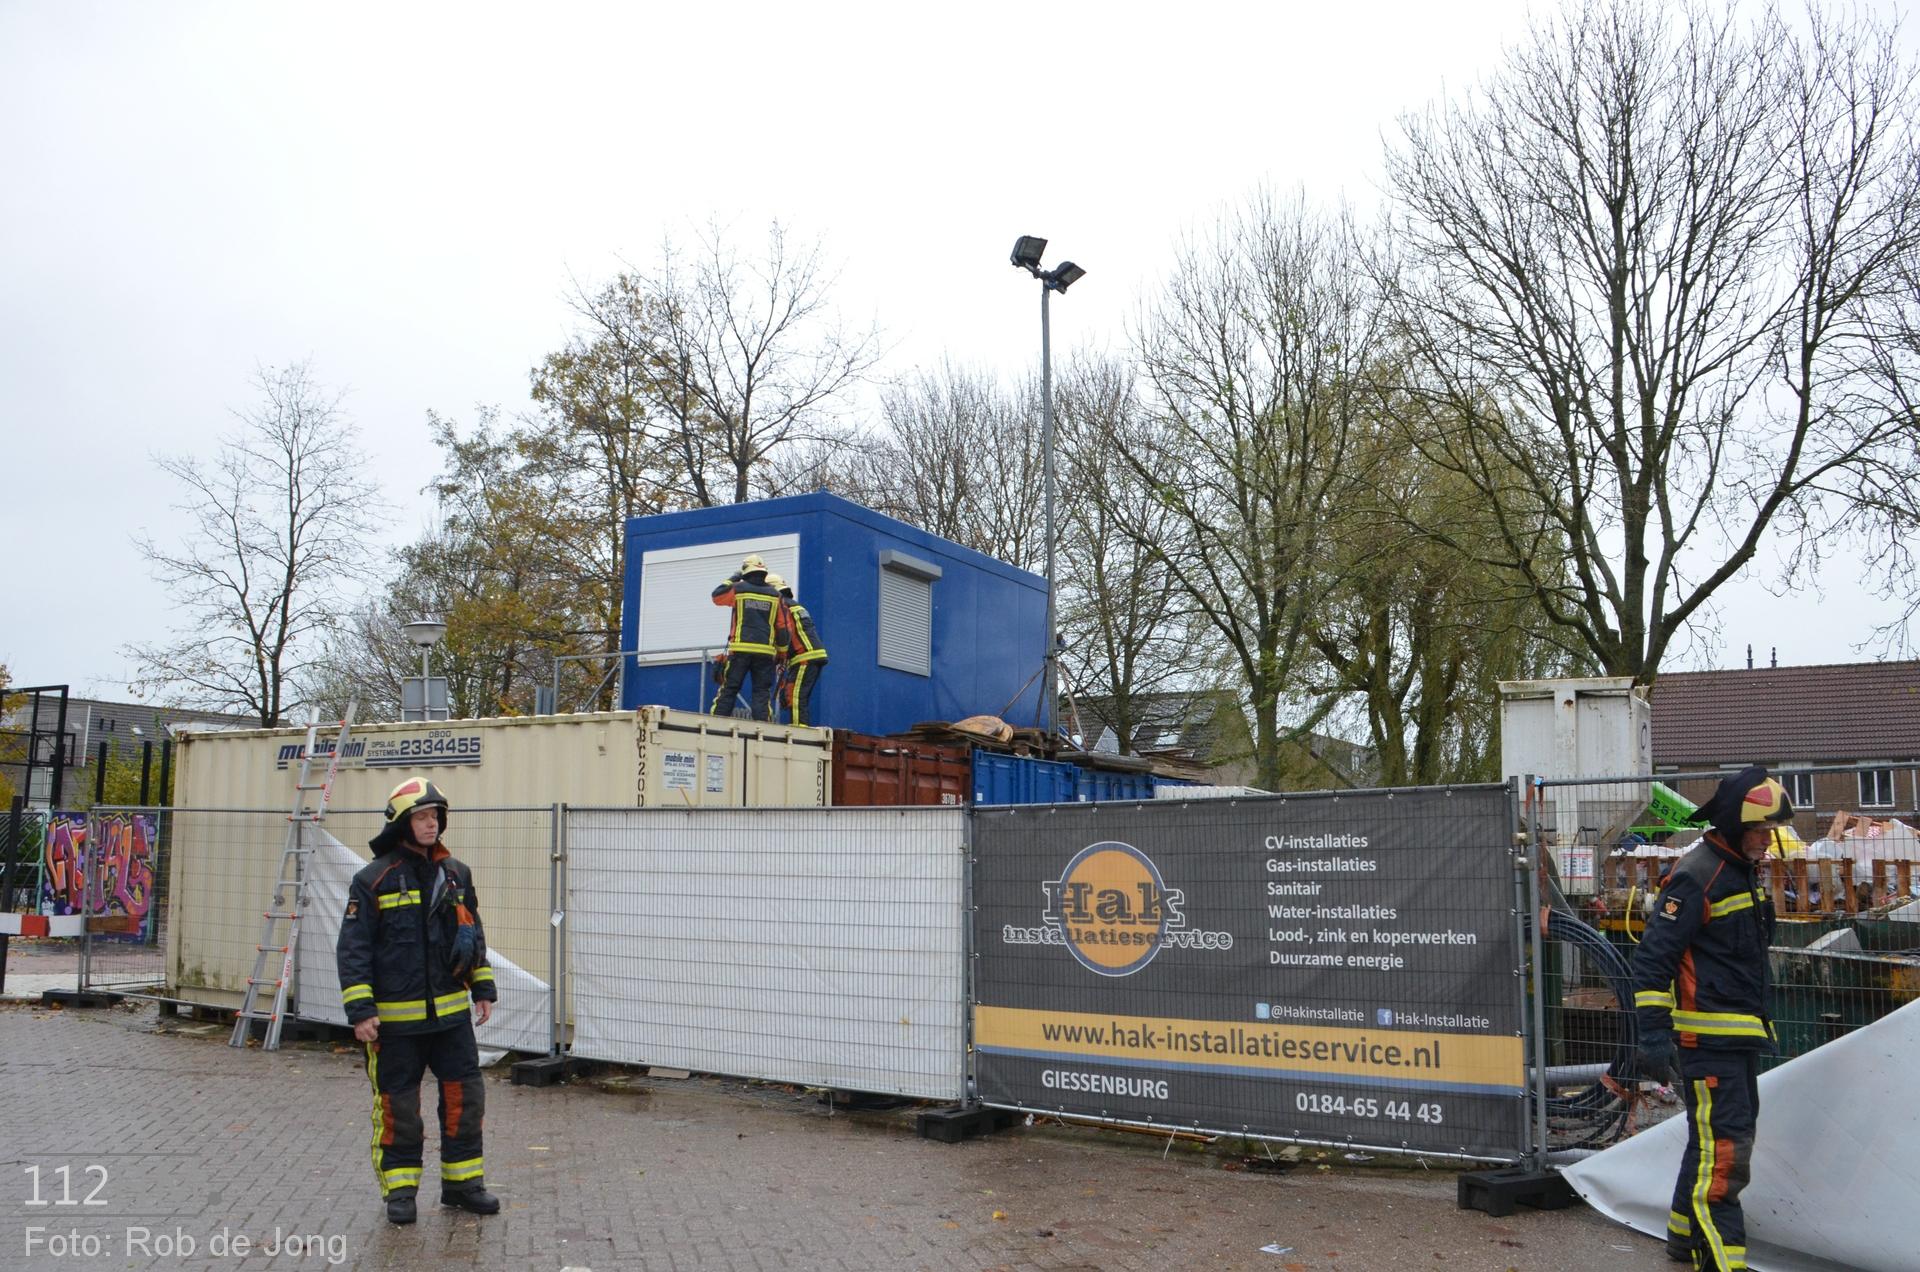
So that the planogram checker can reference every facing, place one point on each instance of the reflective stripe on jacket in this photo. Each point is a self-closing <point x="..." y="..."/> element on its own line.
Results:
<point x="396" y="948"/>
<point x="798" y="637"/>
<point x="755" y="607"/>
<point x="1701" y="968"/>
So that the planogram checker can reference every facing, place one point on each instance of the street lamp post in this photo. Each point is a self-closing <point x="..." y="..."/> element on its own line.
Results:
<point x="1027" y="251"/>
<point x="426" y="633"/>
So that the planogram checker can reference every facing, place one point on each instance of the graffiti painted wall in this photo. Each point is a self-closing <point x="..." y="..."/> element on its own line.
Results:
<point x="102" y="865"/>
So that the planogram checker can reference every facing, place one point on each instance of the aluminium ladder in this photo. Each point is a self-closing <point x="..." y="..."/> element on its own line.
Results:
<point x="289" y="900"/>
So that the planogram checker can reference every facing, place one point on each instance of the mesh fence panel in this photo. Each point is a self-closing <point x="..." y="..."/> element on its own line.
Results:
<point x="1846" y="936"/>
<point x="221" y="868"/>
<point x="33" y="963"/>
<point x="126" y="860"/>
<point x="822" y="947"/>
<point x="222" y="865"/>
<point x="509" y="851"/>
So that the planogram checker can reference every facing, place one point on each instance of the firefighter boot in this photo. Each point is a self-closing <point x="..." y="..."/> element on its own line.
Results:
<point x="473" y="1200"/>
<point x="401" y="1208"/>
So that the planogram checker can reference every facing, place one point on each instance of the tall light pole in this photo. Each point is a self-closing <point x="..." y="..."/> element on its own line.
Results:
<point x="1027" y="251"/>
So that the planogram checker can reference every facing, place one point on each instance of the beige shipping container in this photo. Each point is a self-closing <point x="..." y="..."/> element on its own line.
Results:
<point x="501" y="776"/>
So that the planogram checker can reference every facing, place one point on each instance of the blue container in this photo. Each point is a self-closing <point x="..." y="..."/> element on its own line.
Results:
<point x="1021" y="779"/>
<point x="916" y="627"/>
<point x="1099" y="785"/>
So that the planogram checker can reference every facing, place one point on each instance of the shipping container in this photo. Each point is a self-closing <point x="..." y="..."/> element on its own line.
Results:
<point x="871" y="770"/>
<point x="1022" y="779"/>
<point x="624" y="759"/>
<point x="1574" y="728"/>
<point x="222" y="862"/>
<point x="1097" y="785"/>
<point x="1598" y="726"/>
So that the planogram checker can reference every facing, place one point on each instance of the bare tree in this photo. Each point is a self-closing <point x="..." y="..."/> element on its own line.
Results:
<point x="1413" y="633"/>
<point x="1253" y="362"/>
<point x="1641" y="275"/>
<point x="958" y="455"/>
<point x="751" y="357"/>
<point x="279" y="527"/>
<point x="1130" y="631"/>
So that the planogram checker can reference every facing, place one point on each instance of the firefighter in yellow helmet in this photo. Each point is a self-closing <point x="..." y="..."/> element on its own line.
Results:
<point x="750" y="649"/>
<point x="414" y="979"/>
<point x="802" y="651"/>
<point x="1702" y="987"/>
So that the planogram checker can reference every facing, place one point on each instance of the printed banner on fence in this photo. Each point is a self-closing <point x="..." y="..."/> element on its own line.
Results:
<point x="1321" y="968"/>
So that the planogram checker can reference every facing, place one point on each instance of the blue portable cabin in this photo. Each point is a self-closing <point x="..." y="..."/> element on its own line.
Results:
<point x="916" y="627"/>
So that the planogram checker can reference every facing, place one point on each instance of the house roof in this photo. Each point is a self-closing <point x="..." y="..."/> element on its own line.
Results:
<point x="1829" y="713"/>
<point x="1162" y="721"/>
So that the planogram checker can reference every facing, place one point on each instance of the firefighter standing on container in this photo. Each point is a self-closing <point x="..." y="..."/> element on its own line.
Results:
<point x="802" y="650"/>
<point x="1701" y="988"/>
<point x="750" y="647"/>
<point x="411" y="953"/>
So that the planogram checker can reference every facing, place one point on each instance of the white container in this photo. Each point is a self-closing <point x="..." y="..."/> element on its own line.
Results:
<point x="1206" y="792"/>
<point x="1573" y="729"/>
<point x="222" y="864"/>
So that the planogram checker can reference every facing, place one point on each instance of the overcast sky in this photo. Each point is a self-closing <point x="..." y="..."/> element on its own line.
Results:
<point x="401" y="193"/>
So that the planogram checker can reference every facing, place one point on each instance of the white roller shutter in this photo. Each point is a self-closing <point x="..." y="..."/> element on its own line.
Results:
<point x="906" y="621"/>
<point x="676" y="592"/>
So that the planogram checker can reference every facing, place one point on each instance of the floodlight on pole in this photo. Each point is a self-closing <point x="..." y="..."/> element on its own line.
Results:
<point x="1063" y="276"/>
<point x="1027" y="251"/>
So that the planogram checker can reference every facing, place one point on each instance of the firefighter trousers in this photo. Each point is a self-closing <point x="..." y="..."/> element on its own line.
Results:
<point x="395" y="1065"/>
<point x="738" y="665"/>
<point x="1722" y="1090"/>
<point x="802" y="679"/>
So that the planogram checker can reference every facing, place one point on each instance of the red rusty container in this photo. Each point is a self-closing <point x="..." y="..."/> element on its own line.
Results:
<point x="869" y="771"/>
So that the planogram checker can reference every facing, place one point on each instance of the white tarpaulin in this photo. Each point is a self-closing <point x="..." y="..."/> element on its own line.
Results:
<point x="521" y="1020"/>
<point x="1836" y="1163"/>
<point x="822" y="947"/>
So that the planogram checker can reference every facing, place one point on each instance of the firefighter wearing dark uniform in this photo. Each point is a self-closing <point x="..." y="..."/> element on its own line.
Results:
<point x="411" y="954"/>
<point x="801" y="650"/>
<point x="750" y="647"/>
<point x="1701" y="987"/>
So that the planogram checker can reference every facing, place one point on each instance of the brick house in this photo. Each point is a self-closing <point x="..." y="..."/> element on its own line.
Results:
<point x="1790" y="718"/>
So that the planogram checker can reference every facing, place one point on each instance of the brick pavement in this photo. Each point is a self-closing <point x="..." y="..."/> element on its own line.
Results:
<point x="655" y="1174"/>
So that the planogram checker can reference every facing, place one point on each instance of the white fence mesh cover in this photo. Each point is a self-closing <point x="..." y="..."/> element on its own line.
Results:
<point x="522" y="1019"/>
<point x="823" y="947"/>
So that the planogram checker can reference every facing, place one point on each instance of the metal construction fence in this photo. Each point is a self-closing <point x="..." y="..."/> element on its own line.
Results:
<point x="93" y="881"/>
<point x="121" y="867"/>
<point x="1845" y="953"/>
<point x="1363" y="969"/>
<point x="822" y="947"/>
